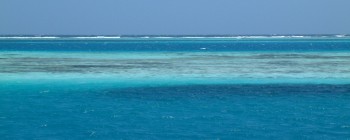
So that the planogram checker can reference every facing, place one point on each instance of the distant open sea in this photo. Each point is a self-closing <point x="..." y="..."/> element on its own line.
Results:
<point x="175" y="87"/>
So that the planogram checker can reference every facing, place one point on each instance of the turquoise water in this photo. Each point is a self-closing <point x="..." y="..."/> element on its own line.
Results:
<point x="175" y="88"/>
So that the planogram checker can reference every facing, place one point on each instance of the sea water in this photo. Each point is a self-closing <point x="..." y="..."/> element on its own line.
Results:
<point x="175" y="87"/>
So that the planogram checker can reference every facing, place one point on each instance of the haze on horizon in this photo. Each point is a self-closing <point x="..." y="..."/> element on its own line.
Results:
<point x="180" y="17"/>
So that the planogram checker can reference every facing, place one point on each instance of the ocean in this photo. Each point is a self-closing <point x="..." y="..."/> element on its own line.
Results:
<point x="175" y="87"/>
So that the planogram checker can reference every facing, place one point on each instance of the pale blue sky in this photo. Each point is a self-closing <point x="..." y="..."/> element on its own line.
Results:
<point x="174" y="17"/>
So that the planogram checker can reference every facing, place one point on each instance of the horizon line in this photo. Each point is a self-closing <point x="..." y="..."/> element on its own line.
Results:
<point x="209" y="35"/>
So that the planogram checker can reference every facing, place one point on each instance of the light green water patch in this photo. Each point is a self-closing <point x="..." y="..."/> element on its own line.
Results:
<point x="170" y="68"/>
<point x="90" y="81"/>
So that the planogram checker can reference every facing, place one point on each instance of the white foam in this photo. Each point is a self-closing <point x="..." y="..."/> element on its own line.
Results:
<point x="254" y="36"/>
<point x="297" y="36"/>
<point x="228" y="37"/>
<point x="171" y="37"/>
<point x="339" y="35"/>
<point x="281" y="36"/>
<point x="194" y="37"/>
<point x="97" y="37"/>
<point x="26" y="37"/>
<point x="163" y="37"/>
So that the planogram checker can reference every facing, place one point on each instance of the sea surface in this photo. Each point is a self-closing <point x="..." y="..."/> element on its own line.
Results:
<point x="175" y="87"/>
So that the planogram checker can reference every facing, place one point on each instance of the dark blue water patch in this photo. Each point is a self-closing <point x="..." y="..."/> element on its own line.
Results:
<point x="175" y="45"/>
<point x="177" y="112"/>
<point x="218" y="91"/>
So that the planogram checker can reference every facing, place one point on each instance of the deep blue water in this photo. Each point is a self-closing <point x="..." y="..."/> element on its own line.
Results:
<point x="179" y="112"/>
<point x="174" y="89"/>
<point x="176" y="45"/>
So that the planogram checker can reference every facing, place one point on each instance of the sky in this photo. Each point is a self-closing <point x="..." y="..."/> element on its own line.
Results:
<point x="174" y="17"/>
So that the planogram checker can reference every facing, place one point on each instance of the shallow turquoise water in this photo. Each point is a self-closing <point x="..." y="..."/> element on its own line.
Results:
<point x="174" y="89"/>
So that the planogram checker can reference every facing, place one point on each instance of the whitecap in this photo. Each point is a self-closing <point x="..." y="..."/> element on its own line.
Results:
<point x="339" y="35"/>
<point x="97" y="37"/>
<point x="297" y="36"/>
<point x="163" y="37"/>
<point x="29" y="37"/>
